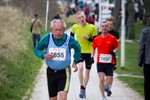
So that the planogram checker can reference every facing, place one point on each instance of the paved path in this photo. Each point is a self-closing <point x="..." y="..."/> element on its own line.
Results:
<point x="120" y="91"/>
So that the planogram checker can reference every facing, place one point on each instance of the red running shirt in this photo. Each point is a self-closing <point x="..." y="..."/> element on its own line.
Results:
<point x="104" y="46"/>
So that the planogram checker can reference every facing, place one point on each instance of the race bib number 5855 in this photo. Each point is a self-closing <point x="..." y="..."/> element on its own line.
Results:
<point x="59" y="53"/>
<point x="105" y="58"/>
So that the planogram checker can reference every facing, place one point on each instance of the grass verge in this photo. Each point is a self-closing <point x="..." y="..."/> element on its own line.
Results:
<point x="131" y="67"/>
<point x="18" y="64"/>
<point x="17" y="77"/>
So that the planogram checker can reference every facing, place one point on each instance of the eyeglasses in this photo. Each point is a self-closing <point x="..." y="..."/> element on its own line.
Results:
<point x="58" y="30"/>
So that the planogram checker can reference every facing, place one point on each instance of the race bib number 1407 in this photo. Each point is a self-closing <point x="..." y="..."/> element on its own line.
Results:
<point x="59" y="53"/>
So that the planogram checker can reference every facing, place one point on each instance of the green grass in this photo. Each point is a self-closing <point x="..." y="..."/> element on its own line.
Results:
<point x="18" y="64"/>
<point x="131" y="67"/>
<point x="131" y="64"/>
<point x="19" y="76"/>
<point x="19" y="67"/>
<point x="69" y="24"/>
<point x="138" y="28"/>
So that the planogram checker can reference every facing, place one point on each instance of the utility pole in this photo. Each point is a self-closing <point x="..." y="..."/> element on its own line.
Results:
<point x="100" y="14"/>
<point x="47" y="8"/>
<point x="123" y="33"/>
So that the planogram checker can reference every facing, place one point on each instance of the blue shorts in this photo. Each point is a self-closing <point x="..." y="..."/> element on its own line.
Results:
<point x="106" y="68"/>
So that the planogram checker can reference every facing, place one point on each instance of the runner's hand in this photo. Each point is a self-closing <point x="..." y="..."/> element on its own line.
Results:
<point x="91" y="60"/>
<point x="112" y="52"/>
<point x="85" y="37"/>
<point x="74" y="65"/>
<point x="114" y="68"/>
<point x="48" y="56"/>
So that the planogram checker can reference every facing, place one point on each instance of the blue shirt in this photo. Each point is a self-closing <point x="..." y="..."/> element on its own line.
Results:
<point x="40" y="49"/>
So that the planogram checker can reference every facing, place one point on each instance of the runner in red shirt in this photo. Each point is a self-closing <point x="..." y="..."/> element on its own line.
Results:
<point x="106" y="45"/>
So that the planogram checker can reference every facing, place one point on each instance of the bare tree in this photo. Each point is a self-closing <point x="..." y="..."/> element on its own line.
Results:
<point x="117" y="14"/>
<point x="29" y="7"/>
<point x="2" y="3"/>
<point x="130" y="22"/>
<point x="130" y="17"/>
<point x="147" y="9"/>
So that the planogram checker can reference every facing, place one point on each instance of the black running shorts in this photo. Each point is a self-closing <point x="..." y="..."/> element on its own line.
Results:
<point x="86" y="57"/>
<point x="106" y="68"/>
<point x="58" y="80"/>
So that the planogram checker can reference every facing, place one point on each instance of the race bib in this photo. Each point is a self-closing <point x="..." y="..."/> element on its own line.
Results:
<point x="59" y="53"/>
<point x="105" y="58"/>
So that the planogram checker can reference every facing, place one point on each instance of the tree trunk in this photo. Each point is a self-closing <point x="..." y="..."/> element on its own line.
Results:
<point x="131" y="31"/>
<point x="147" y="10"/>
<point x="117" y="15"/>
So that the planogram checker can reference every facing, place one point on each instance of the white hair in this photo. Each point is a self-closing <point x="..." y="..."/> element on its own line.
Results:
<point x="57" y="20"/>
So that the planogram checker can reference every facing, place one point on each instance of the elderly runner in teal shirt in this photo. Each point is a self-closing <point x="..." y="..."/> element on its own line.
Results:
<point x="55" y="48"/>
<point x="44" y="43"/>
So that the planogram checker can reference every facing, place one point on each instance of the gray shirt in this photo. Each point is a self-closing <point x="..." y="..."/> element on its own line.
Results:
<point x="144" y="46"/>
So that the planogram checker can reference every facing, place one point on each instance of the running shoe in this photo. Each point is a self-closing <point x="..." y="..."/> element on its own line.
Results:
<point x="104" y="98"/>
<point x="106" y="88"/>
<point x="109" y="93"/>
<point x="82" y="93"/>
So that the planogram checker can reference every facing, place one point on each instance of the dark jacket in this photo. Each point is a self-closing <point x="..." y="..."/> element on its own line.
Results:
<point x="144" y="47"/>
